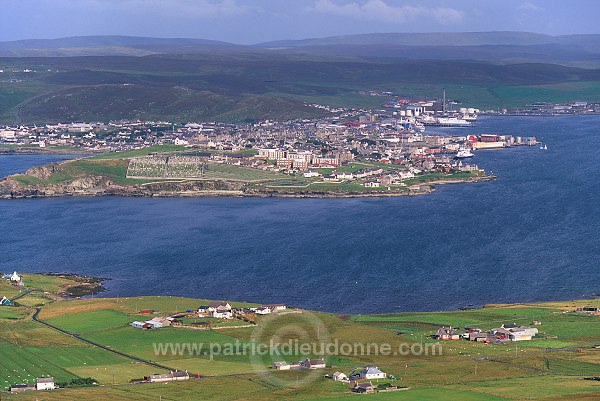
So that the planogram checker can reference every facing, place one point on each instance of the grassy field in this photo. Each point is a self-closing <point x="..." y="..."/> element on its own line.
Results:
<point x="548" y="368"/>
<point x="168" y="149"/>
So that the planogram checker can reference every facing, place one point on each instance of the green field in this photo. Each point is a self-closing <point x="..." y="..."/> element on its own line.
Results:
<point x="548" y="368"/>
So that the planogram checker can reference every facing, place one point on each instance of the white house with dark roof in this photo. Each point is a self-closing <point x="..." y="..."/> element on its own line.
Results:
<point x="220" y="310"/>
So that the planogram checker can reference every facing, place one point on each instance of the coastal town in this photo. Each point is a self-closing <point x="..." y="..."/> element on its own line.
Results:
<point x="383" y="150"/>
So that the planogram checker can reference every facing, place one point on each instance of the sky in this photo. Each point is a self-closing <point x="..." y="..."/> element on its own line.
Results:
<point x="255" y="21"/>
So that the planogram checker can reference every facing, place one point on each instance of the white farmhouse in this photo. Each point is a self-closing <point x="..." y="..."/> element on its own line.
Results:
<point x="372" y="372"/>
<point x="15" y="277"/>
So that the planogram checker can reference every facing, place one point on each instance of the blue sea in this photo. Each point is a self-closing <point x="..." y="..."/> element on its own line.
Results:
<point x="530" y="235"/>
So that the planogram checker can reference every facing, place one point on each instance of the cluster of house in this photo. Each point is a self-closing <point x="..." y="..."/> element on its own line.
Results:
<point x="42" y="383"/>
<point x="502" y="334"/>
<point x="589" y="309"/>
<point x="361" y="378"/>
<point x="14" y="278"/>
<point x="223" y="310"/>
<point x="172" y="376"/>
<point x="219" y="310"/>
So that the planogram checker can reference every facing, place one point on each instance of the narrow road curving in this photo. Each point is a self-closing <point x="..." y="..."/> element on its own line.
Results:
<point x="36" y="318"/>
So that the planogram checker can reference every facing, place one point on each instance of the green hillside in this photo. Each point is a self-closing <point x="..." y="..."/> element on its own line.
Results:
<point x="250" y="86"/>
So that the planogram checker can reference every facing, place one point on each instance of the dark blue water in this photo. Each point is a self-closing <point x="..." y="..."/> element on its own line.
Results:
<point x="17" y="163"/>
<point x="530" y="235"/>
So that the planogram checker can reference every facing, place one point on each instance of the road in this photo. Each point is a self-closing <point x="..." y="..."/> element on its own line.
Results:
<point x="36" y="318"/>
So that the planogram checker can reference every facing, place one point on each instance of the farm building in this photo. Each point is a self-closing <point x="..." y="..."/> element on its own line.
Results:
<point x="313" y="363"/>
<point x="45" y="383"/>
<point x="363" y="388"/>
<point x="339" y="376"/>
<point x="168" y="377"/>
<point x="220" y="310"/>
<point x="17" y="388"/>
<point x="446" y="333"/>
<point x="281" y="366"/>
<point x="141" y="325"/>
<point x="275" y="307"/>
<point x="5" y="302"/>
<point x="263" y="310"/>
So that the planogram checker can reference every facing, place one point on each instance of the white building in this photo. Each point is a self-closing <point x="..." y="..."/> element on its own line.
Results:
<point x="281" y="365"/>
<point x="44" y="383"/>
<point x="372" y="372"/>
<point x="220" y="310"/>
<point x="15" y="277"/>
<point x="339" y="376"/>
<point x="263" y="310"/>
<point x="310" y="174"/>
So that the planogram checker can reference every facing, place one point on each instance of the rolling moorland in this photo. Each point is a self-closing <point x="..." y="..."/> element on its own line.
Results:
<point x="92" y="338"/>
<point x="107" y="78"/>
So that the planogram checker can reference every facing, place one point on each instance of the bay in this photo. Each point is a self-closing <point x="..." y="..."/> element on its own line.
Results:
<point x="529" y="235"/>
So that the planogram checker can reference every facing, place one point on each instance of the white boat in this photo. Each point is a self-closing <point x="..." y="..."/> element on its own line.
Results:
<point x="543" y="147"/>
<point x="464" y="154"/>
<point x="445" y="122"/>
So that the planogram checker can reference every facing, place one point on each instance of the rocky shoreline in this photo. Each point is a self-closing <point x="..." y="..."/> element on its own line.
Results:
<point x="93" y="185"/>
<point x="85" y="285"/>
<point x="99" y="186"/>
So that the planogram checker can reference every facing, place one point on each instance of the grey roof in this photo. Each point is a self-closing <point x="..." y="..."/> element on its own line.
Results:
<point x="372" y="370"/>
<point x="163" y="376"/>
<point x="45" y="380"/>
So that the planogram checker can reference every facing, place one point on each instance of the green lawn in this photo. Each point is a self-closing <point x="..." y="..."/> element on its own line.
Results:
<point x="140" y="152"/>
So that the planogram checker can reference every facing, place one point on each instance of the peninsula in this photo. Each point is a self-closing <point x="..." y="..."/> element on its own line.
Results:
<point x="365" y="154"/>
<point x="182" y="173"/>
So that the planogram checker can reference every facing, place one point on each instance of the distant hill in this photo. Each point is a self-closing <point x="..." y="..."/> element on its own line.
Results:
<point x="501" y="47"/>
<point x="238" y="87"/>
<point x="505" y="47"/>
<point x="422" y="39"/>
<point x="110" y="77"/>
<point x="110" y="46"/>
